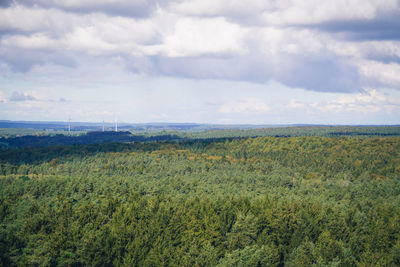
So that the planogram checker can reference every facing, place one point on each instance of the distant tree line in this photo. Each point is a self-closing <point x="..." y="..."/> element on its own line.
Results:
<point x="89" y="138"/>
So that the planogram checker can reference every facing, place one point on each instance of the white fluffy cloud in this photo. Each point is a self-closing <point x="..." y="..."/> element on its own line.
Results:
<point x="195" y="37"/>
<point x="383" y="73"/>
<point x="55" y="29"/>
<point x="38" y="20"/>
<point x="34" y="41"/>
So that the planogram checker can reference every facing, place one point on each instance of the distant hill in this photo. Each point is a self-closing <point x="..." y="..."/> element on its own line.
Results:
<point x="152" y="127"/>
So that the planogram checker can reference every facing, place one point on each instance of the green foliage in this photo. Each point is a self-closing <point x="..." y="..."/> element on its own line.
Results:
<point x="251" y="256"/>
<point x="267" y="201"/>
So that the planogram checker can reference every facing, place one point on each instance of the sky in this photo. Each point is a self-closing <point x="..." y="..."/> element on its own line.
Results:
<point x="201" y="61"/>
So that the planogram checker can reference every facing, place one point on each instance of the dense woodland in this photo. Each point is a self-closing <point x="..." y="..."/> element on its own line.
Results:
<point x="86" y="138"/>
<point x="260" y="201"/>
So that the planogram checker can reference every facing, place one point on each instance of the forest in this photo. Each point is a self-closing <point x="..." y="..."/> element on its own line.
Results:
<point x="325" y="196"/>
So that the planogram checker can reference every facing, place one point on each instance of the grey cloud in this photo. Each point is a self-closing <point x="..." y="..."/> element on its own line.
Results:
<point x="317" y="74"/>
<point x="18" y="96"/>
<point x="361" y="30"/>
<point x="384" y="58"/>
<point x="235" y="68"/>
<point x="384" y="25"/>
<point x="321" y="74"/>
<point x="23" y="60"/>
<point x="59" y="100"/>
<point x="5" y="3"/>
<point x="142" y="64"/>
<point x="140" y="9"/>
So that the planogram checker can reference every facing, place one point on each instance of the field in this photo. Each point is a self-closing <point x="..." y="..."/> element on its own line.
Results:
<point x="297" y="196"/>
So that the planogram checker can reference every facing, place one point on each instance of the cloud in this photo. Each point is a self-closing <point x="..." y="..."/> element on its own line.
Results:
<point x="298" y="12"/>
<point x="287" y="12"/>
<point x="130" y="8"/>
<point x="295" y="104"/>
<point x="34" y="41"/>
<point x="247" y="105"/>
<point x="41" y="94"/>
<point x="5" y="3"/>
<point x="385" y="28"/>
<point x="3" y="98"/>
<point x="319" y="73"/>
<point x="369" y="102"/>
<point x="381" y="73"/>
<point x="195" y="37"/>
<point x="381" y="51"/>
<point x="54" y="36"/>
<point x="36" y="19"/>
<point x="21" y="60"/>
<point x="218" y="8"/>
<point x="21" y="96"/>
<point x="329" y="46"/>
